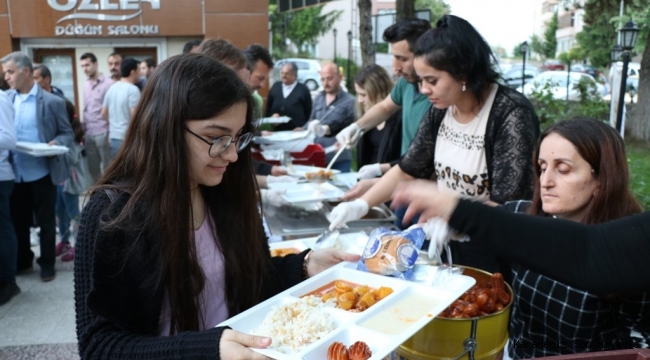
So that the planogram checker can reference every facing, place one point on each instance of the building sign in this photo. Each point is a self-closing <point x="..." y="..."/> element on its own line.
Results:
<point x="106" y="18"/>
<point x="99" y="10"/>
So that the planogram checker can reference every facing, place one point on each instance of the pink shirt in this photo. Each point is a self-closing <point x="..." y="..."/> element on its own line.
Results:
<point x="212" y="302"/>
<point x="94" y="92"/>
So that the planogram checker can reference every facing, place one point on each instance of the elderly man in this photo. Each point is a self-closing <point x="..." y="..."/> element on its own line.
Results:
<point x="289" y="98"/>
<point x="333" y="110"/>
<point x="42" y="118"/>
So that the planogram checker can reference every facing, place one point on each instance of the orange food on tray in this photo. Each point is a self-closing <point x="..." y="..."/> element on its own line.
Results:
<point x="351" y="297"/>
<point x="320" y="174"/>
<point x="284" y="251"/>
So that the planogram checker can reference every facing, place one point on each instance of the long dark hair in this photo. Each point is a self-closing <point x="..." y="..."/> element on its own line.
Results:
<point x="456" y="47"/>
<point x="77" y="128"/>
<point x="602" y="147"/>
<point x="153" y="167"/>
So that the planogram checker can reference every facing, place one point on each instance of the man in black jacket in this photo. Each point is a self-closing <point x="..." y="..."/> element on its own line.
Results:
<point x="289" y="98"/>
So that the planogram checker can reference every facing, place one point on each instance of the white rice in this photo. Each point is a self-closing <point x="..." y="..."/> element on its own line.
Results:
<point x="297" y="324"/>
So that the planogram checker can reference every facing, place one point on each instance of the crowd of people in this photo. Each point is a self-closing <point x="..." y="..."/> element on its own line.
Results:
<point x="173" y="193"/>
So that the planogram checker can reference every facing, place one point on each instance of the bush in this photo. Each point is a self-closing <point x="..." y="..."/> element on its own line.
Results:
<point x="551" y="110"/>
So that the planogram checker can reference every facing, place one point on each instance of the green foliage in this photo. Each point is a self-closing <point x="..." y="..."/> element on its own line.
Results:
<point x="354" y="69"/>
<point x="381" y="48"/>
<point x="499" y="51"/>
<point x="551" y="110"/>
<point x="638" y="159"/>
<point x="550" y="42"/>
<point x="537" y="46"/>
<point x="438" y="8"/>
<point x="302" y="27"/>
<point x="640" y="13"/>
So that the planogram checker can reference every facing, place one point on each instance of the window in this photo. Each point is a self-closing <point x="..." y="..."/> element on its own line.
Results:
<point x="62" y="65"/>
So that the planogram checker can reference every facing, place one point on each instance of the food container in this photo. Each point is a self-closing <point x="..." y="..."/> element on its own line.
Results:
<point x="451" y="338"/>
<point x="383" y="326"/>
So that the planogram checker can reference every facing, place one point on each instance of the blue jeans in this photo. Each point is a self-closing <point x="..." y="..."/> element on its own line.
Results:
<point x="115" y="146"/>
<point x="345" y="166"/>
<point x="399" y="214"/>
<point x="8" y="240"/>
<point x="67" y="209"/>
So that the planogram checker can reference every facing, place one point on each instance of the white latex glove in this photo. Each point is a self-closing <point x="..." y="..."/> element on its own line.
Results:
<point x="438" y="232"/>
<point x="273" y="196"/>
<point x="369" y="171"/>
<point x="349" y="135"/>
<point x="316" y="128"/>
<point x="347" y="211"/>
<point x="281" y="179"/>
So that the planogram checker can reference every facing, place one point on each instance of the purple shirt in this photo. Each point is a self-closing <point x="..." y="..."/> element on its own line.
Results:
<point x="213" y="308"/>
<point x="94" y="92"/>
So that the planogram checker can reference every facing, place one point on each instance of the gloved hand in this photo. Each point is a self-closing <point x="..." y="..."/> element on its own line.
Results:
<point x="369" y="171"/>
<point x="347" y="211"/>
<point x="438" y="232"/>
<point x="281" y="179"/>
<point x="316" y="128"/>
<point x="273" y="196"/>
<point x="349" y="136"/>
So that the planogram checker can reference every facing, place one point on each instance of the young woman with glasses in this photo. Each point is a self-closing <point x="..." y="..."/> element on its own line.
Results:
<point x="171" y="241"/>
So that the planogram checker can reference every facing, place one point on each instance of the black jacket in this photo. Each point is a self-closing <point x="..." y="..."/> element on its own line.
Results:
<point x="390" y="147"/>
<point x="297" y="105"/>
<point x="117" y="315"/>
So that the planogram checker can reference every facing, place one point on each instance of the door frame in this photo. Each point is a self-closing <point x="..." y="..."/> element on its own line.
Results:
<point x="38" y="58"/>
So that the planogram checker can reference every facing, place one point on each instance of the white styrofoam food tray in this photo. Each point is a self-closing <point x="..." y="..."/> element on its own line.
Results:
<point x="354" y="243"/>
<point x="311" y="192"/>
<point x="281" y="136"/>
<point x="383" y="327"/>
<point x="302" y="170"/>
<point x="274" y="120"/>
<point x="40" y="149"/>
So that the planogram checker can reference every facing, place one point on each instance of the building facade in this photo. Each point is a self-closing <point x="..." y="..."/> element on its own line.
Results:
<point x="57" y="32"/>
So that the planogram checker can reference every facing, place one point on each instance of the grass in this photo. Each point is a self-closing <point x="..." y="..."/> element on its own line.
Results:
<point x="638" y="159"/>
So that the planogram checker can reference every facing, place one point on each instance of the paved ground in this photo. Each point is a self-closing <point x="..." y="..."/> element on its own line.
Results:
<point x="39" y="323"/>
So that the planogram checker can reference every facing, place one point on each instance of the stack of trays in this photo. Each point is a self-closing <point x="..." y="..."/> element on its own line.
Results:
<point x="40" y="149"/>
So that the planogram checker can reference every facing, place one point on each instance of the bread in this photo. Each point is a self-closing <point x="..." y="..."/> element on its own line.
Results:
<point x="360" y="351"/>
<point x="337" y="351"/>
<point x="389" y="254"/>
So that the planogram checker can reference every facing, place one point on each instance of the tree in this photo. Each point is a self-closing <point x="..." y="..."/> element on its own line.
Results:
<point x="302" y="27"/>
<point x="404" y="9"/>
<point x="550" y="41"/>
<point x="365" y="32"/>
<point x="537" y="46"/>
<point x="438" y="8"/>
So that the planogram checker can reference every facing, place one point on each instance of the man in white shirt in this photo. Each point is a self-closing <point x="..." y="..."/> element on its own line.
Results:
<point x="120" y="102"/>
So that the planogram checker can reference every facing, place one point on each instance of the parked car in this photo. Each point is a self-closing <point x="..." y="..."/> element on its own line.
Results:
<point x="512" y="77"/>
<point x="553" y="65"/>
<point x="307" y="71"/>
<point x="558" y="81"/>
<point x="587" y="69"/>
<point x="631" y="91"/>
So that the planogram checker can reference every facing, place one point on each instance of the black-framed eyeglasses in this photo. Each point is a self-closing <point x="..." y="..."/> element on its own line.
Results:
<point x="220" y="145"/>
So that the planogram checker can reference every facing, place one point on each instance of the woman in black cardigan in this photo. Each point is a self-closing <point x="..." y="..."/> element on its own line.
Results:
<point x="171" y="242"/>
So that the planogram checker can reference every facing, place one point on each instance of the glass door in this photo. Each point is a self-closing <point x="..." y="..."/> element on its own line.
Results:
<point x="62" y="65"/>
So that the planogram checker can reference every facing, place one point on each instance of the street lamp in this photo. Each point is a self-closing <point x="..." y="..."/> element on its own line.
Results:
<point x="348" y="83"/>
<point x="629" y="33"/>
<point x="524" y="49"/>
<point x="334" y="31"/>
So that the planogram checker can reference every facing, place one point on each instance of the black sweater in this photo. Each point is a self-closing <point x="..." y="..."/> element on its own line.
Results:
<point x="297" y="105"/>
<point x="391" y="144"/>
<point x="117" y="316"/>
<point x="607" y="258"/>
